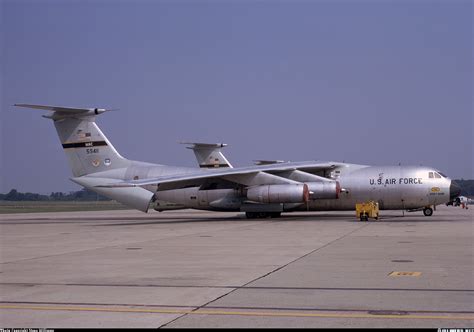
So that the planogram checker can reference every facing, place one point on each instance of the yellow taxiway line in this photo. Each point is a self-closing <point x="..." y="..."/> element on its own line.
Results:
<point x="234" y="313"/>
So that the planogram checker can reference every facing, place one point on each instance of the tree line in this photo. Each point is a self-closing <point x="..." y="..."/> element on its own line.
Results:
<point x="467" y="189"/>
<point x="81" y="195"/>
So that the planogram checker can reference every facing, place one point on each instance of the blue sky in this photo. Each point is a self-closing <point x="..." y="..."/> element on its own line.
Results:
<point x="369" y="82"/>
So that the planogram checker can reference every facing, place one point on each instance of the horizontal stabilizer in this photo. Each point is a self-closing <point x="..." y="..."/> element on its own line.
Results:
<point x="62" y="112"/>
<point x="195" y="145"/>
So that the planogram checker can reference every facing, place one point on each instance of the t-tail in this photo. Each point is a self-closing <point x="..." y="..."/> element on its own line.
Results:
<point x="87" y="149"/>
<point x="93" y="159"/>
<point x="209" y="155"/>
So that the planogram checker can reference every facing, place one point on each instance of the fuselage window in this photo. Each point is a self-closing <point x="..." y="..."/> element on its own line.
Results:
<point x="431" y="175"/>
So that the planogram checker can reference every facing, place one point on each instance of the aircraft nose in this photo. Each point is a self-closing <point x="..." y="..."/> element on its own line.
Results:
<point x="454" y="190"/>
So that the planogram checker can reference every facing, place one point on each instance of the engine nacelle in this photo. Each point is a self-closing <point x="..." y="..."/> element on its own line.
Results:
<point x="324" y="190"/>
<point x="166" y="206"/>
<point x="279" y="193"/>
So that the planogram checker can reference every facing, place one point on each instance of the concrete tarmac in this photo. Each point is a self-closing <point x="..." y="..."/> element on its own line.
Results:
<point x="202" y="269"/>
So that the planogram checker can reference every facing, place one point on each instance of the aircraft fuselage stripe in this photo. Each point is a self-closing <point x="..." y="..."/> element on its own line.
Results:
<point x="214" y="166"/>
<point x="84" y="144"/>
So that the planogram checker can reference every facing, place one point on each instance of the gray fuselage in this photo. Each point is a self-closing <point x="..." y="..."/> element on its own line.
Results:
<point x="393" y="187"/>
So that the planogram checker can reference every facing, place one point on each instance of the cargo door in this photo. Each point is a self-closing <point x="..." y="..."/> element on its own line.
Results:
<point x="389" y="193"/>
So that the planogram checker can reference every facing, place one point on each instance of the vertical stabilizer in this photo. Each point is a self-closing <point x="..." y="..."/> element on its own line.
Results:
<point x="209" y="155"/>
<point x="86" y="147"/>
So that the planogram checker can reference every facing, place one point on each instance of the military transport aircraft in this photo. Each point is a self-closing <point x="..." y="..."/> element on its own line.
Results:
<point x="263" y="190"/>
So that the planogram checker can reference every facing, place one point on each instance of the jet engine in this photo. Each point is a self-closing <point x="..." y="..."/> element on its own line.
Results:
<point x="279" y="193"/>
<point x="324" y="190"/>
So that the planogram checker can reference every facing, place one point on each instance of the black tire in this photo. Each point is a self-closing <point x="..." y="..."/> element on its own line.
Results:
<point x="250" y="215"/>
<point x="428" y="212"/>
<point x="275" y="214"/>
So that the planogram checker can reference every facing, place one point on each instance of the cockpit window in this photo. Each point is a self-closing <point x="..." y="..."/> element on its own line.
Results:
<point x="431" y="175"/>
<point x="437" y="175"/>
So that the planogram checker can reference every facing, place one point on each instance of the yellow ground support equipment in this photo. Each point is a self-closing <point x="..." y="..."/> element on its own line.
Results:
<point x="367" y="210"/>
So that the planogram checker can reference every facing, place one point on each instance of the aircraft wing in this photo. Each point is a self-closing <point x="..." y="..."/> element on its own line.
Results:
<point x="252" y="175"/>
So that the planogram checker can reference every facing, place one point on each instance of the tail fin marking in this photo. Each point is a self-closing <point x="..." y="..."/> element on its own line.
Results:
<point x="87" y="148"/>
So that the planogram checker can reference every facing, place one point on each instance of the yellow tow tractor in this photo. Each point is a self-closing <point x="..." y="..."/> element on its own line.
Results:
<point x="367" y="210"/>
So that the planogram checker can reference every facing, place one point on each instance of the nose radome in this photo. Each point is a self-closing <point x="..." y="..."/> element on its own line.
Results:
<point x="454" y="190"/>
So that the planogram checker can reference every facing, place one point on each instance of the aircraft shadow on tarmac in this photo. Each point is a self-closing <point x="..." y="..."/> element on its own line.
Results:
<point x="241" y="218"/>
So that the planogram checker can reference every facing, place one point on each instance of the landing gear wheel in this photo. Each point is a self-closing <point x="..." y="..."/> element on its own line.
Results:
<point x="262" y="215"/>
<point x="251" y="215"/>
<point x="428" y="212"/>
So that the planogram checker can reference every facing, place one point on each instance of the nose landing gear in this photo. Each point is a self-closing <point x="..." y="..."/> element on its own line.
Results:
<point x="428" y="211"/>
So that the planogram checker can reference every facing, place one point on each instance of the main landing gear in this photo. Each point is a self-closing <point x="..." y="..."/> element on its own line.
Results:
<point x="255" y="215"/>
<point x="427" y="210"/>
